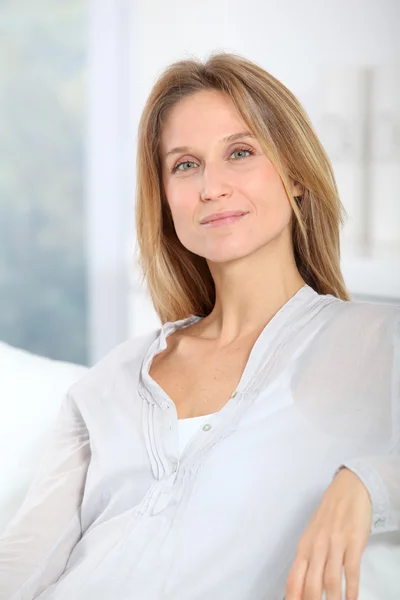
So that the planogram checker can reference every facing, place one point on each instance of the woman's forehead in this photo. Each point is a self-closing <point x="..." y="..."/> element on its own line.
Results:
<point x="194" y="119"/>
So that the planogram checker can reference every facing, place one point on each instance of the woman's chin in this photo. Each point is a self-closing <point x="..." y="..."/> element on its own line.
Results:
<point x="225" y="256"/>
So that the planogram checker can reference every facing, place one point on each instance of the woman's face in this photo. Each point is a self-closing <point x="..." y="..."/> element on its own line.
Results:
<point x="212" y="164"/>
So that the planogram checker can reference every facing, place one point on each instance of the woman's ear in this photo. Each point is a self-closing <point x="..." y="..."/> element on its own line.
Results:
<point x="297" y="189"/>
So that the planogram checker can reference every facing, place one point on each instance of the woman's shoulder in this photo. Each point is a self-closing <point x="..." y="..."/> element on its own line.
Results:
<point x="368" y="314"/>
<point x="124" y="359"/>
<point x="365" y="326"/>
<point x="355" y="350"/>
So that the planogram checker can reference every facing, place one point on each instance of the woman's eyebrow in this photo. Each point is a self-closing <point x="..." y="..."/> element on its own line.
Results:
<point x="234" y="137"/>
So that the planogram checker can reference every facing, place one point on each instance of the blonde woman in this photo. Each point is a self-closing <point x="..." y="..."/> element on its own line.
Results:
<point x="248" y="448"/>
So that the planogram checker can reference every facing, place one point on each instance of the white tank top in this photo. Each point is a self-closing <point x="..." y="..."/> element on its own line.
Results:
<point x="188" y="427"/>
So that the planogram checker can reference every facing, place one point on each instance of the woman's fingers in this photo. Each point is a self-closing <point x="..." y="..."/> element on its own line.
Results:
<point x="333" y="576"/>
<point x="324" y="571"/>
<point x="352" y="563"/>
<point x="318" y="568"/>
<point x="313" y="584"/>
<point x="295" y="581"/>
<point x="334" y="540"/>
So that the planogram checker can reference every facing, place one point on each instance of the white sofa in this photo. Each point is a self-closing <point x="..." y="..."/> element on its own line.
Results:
<point x="31" y="391"/>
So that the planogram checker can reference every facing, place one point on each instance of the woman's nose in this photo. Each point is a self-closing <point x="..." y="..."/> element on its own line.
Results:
<point x="214" y="184"/>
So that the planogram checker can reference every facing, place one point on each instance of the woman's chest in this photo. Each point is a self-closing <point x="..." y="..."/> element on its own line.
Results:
<point x="270" y="454"/>
<point x="198" y="381"/>
<point x="263" y="447"/>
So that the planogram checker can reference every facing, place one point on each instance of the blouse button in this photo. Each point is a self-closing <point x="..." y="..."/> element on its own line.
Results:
<point x="206" y="427"/>
<point x="379" y="523"/>
<point x="234" y="394"/>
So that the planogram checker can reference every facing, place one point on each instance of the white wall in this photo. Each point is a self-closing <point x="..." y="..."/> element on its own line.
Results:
<point x="290" y="38"/>
<point x="109" y="168"/>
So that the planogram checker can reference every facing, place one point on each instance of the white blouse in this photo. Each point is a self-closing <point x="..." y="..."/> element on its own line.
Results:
<point x="188" y="427"/>
<point x="118" y="512"/>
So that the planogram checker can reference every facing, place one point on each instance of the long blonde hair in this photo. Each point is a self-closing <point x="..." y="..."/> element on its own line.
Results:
<point x="179" y="282"/>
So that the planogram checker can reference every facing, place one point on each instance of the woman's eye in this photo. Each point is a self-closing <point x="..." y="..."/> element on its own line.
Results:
<point x="187" y="165"/>
<point x="242" y="153"/>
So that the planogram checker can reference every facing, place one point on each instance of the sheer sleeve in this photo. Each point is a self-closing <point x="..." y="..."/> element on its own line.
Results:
<point x="36" y="545"/>
<point x="381" y="477"/>
<point x="381" y="474"/>
<point x="348" y="388"/>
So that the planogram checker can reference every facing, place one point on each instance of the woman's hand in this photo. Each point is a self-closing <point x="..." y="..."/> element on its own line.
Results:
<point x="335" y="538"/>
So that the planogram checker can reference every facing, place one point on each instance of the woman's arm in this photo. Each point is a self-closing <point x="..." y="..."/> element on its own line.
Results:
<point x="381" y="477"/>
<point x="381" y="474"/>
<point x="364" y="495"/>
<point x="36" y="545"/>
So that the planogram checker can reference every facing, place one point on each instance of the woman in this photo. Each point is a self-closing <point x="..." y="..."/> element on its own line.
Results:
<point x="247" y="448"/>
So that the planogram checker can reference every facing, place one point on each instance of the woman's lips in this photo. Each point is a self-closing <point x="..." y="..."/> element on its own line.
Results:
<point x="224" y="221"/>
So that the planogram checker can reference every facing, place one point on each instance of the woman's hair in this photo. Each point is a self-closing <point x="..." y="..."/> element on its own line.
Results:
<point x="179" y="282"/>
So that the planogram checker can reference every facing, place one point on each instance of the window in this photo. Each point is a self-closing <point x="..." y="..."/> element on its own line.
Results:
<point x="43" y="296"/>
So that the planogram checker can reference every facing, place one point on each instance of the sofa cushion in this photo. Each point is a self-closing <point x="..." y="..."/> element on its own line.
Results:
<point x="31" y="391"/>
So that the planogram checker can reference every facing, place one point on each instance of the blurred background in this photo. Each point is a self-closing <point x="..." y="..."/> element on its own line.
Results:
<point x="74" y="76"/>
